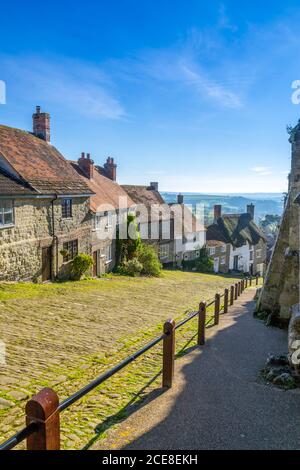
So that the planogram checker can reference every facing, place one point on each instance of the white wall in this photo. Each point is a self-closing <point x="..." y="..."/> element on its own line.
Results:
<point x="243" y="253"/>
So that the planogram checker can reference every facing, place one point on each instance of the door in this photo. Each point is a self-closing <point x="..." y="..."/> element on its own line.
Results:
<point x="216" y="265"/>
<point x="95" y="265"/>
<point x="46" y="263"/>
<point x="236" y="263"/>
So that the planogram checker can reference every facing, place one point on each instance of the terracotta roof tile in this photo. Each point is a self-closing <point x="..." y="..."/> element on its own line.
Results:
<point x="10" y="186"/>
<point x="39" y="163"/>
<point x="105" y="190"/>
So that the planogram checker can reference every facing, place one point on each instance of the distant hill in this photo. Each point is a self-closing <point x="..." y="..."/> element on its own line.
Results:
<point x="265" y="203"/>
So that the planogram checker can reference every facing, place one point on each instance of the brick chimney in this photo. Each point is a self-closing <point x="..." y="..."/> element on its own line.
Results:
<point x="86" y="165"/>
<point x="179" y="198"/>
<point x="154" y="186"/>
<point x="217" y="211"/>
<point x="41" y="124"/>
<point x="250" y="210"/>
<point x="110" y="169"/>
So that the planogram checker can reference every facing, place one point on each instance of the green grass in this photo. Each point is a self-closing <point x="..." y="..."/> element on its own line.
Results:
<point x="64" y="335"/>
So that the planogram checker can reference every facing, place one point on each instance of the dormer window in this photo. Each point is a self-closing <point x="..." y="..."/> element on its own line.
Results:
<point x="6" y="213"/>
<point x="66" y="208"/>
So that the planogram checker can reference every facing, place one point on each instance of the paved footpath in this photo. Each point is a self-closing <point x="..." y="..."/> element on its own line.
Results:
<point x="218" y="400"/>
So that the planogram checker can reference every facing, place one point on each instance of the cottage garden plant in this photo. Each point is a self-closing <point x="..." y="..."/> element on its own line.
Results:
<point x="134" y="257"/>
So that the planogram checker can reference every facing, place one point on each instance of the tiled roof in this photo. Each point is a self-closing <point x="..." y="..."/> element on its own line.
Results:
<point x="151" y="199"/>
<point x="39" y="163"/>
<point x="10" y="186"/>
<point x="106" y="191"/>
<point x="235" y="229"/>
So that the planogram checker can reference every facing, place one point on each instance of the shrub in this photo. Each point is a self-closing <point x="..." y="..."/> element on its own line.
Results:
<point x="132" y="267"/>
<point x="127" y="248"/>
<point x="80" y="265"/>
<point x="204" y="264"/>
<point x="147" y="256"/>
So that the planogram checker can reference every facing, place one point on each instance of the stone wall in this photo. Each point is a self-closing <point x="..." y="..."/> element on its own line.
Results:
<point x="21" y="245"/>
<point x="281" y="287"/>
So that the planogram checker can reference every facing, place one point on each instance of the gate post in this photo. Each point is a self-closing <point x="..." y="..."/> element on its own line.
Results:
<point x="201" y="323"/>
<point x="168" y="353"/>
<point x="226" y="293"/>
<point x="217" y="309"/>
<point x="231" y="295"/>
<point x="43" y="410"/>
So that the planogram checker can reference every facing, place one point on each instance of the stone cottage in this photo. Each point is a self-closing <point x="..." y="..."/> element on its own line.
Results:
<point x="155" y="219"/>
<point x="44" y="206"/>
<point x="172" y="228"/>
<point x="236" y="243"/>
<point x="109" y="206"/>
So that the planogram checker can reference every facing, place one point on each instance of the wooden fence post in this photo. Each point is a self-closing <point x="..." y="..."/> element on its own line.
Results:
<point x="231" y="295"/>
<point x="217" y="309"/>
<point x="43" y="409"/>
<point x="201" y="323"/>
<point x="246" y="283"/>
<point x="226" y="293"/>
<point x="243" y="285"/>
<point x="257" y="277"/>
<point x="235" y="291"/>
<point x="239" y="288"/>
<point x="168" y="354"/>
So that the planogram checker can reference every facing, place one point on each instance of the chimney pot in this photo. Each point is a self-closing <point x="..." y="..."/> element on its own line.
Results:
<point x="86" y="165"/>
<point x="110" y="169"/>
<point x="41" y="124"/>
<point x="154" y="185"/>
<point x="250" y="210"/>
<point x="217" y="211"/>
<point x="179" y="198"/>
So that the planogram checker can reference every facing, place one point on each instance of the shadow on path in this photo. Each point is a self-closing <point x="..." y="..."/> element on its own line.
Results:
<point x="218" y="400"/>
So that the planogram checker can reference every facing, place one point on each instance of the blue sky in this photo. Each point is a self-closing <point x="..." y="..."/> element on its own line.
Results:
<point x="190" y="93"/>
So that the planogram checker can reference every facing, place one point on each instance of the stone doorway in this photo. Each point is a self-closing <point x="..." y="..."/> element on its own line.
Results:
<point x="46" y="263"/>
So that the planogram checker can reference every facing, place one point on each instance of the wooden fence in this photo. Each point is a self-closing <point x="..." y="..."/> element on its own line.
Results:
<point x="42" y="411"/>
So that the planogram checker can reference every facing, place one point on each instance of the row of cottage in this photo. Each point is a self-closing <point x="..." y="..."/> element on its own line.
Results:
<point x="51" y="209"/>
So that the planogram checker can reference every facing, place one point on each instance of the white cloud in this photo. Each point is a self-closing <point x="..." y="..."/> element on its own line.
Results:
<point x="262" y="170"/>
<point x="83" y="89"/>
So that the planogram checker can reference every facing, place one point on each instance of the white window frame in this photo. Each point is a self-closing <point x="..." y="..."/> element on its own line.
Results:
<point x="258" y="253"/>
<point x="6" y="210"/>
<point x="164" y="251"/>
<point x="212" y="250"/>
<point x="223" y="260"/>
<point x="108" y="253"/>
<point x="223" y="249"/>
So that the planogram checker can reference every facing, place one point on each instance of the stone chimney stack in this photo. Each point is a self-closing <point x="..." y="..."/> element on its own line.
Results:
<point x="154" y="186"/>
<point x="250" y="210"/>
<point x="179" y="198"/>
<point x="110" y="169"/>
<point x="41" y="124"/>
<point x="217" y="211"/>
<point x="86" y="165"/>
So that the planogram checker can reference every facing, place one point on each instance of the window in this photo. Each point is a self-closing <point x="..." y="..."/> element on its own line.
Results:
<point x="97" y="222"/>
<point x="66" y="208"/>
<point x="223" y="259"/>
<point x="6" y="212"/>
<point x="108" y="254"/>
<point x="164" y="251"/>
<point x="212" y="250"/>
<point x="223" y="248"/>
<point x="70" y="250"/>
<point x="258" y="253"/>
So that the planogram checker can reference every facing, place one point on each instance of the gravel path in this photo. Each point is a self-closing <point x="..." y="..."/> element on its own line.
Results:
<point x="218" y="400"/>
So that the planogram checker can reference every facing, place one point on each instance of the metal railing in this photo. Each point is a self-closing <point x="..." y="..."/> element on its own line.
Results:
<point x="42" y="411"/>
